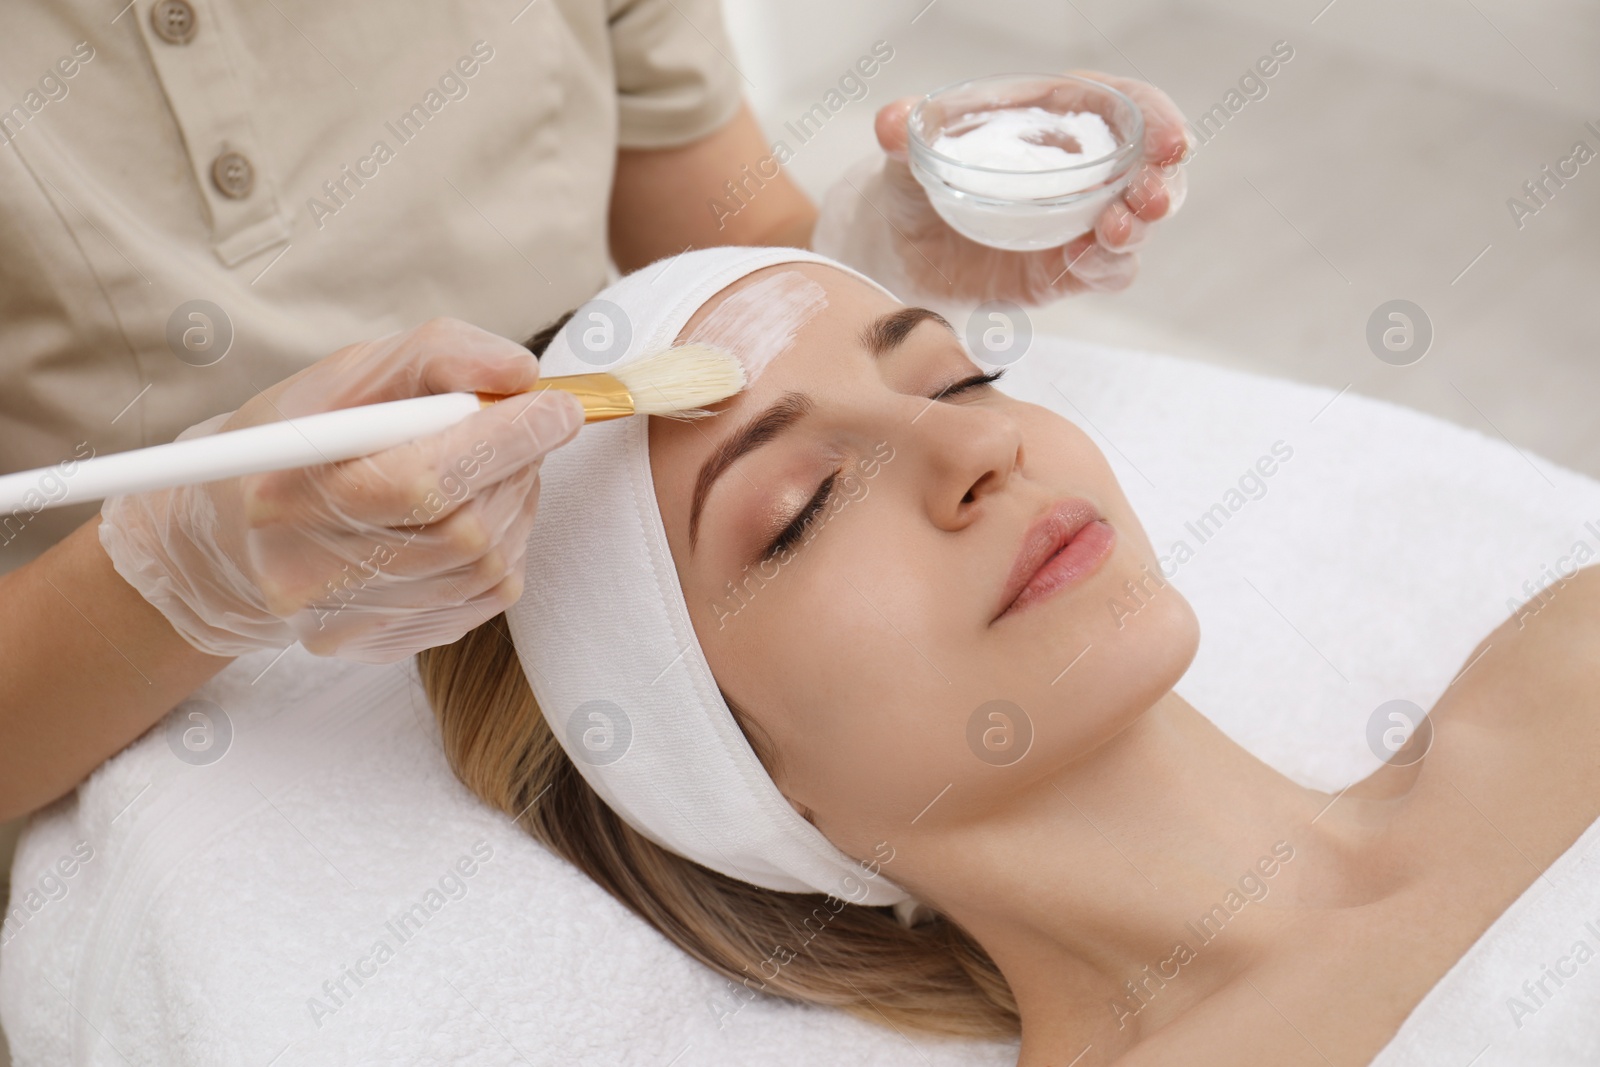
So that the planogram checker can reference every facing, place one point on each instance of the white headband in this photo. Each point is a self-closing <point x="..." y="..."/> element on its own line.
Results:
<point x="604" y="634"/>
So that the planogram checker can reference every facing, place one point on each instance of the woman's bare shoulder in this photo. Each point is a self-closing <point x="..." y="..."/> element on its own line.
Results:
<point x="1517" y="731"/>
<point x="1552" y="641"/>
<point x="1532" y="687"/>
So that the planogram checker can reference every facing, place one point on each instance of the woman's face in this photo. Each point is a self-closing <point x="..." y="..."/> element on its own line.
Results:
<point x="871" y="647"/>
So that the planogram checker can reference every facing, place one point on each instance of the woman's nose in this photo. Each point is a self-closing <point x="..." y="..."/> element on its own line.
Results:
<point x="969" y="451"/>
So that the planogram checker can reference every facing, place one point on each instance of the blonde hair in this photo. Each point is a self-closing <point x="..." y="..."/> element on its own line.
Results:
<point x="933" y="977"/>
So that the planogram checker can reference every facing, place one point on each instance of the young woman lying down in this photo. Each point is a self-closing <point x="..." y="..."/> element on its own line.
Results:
<point x="824" y="687"/>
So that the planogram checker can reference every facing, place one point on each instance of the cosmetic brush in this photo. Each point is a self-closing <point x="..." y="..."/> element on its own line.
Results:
<point x="674" y="382"/>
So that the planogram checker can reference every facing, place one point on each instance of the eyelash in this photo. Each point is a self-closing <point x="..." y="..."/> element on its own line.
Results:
<point x="797" y="526"/>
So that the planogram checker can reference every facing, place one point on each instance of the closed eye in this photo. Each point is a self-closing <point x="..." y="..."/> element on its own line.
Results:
<point x="970" y="383"/>
<point x="796" y="527"/>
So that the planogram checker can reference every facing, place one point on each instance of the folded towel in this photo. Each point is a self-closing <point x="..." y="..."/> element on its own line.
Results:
<point x="327" y="893"/>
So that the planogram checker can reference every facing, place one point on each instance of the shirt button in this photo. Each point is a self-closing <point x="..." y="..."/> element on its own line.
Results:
<point x="174" y="21"/>
<point x="233" y="175"/>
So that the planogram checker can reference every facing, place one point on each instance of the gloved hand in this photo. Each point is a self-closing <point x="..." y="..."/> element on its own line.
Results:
<point x="877" y="218"/>
<point x="369" y="559"/>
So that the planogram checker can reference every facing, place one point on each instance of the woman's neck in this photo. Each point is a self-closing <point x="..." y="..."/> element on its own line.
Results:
<point x="1140" y="880"/>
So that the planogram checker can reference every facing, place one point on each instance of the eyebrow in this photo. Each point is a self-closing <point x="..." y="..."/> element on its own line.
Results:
<point x="887" y="332"/>
<point x="880" y="337"/>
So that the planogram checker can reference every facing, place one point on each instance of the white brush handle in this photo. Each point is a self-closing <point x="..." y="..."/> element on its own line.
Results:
<point x="303" y="441"/>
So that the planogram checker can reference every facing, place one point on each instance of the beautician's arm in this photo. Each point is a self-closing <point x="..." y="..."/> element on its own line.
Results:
<point x="104" y="682"/>
<point x="659" y="202"/>
<point x="89" y="660"/>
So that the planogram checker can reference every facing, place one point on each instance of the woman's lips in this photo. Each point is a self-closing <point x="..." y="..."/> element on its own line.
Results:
<point x="1063" y="546"/>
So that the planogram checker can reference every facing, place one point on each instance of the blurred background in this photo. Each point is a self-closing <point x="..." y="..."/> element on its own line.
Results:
<point x="1377" y="167"/>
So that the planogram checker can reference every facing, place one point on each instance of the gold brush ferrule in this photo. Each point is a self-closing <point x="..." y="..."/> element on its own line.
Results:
<point x="603" y="395"/>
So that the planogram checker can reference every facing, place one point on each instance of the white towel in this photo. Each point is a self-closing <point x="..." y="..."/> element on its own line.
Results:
<point x="219" y="899"/>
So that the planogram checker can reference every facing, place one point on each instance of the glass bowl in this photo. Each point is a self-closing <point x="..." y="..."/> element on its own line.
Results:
<point x="1022" y="209"/>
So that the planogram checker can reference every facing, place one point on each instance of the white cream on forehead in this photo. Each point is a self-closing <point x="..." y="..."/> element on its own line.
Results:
<point x="760" y="321"/>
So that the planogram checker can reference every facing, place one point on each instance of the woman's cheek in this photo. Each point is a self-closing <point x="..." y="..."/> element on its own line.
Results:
<point x="1050" y="433"/>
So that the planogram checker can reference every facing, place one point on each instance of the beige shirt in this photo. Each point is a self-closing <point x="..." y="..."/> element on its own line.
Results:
<point x="317" y="174"/>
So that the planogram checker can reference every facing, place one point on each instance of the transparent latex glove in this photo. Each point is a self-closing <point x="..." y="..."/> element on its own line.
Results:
<point x="877" y="218"/>
<point x="369" y="559"/>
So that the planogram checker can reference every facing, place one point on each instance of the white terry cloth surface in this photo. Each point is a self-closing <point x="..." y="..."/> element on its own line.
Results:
<point x="220" y="898"/>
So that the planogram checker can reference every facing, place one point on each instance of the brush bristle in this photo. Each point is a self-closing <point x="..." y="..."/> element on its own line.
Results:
<point x="678" y="381"/>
